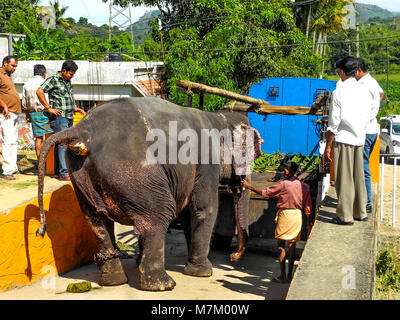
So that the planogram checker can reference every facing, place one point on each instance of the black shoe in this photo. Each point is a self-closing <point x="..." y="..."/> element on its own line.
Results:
<point x="363" y="219"/>
<point x="337" y="220"/>
<point x="369" y="209"/>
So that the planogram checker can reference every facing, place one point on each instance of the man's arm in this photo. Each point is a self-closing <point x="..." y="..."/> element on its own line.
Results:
<point x="246" y="185"/>
<point x="81" y="111"/>
<point x="6" y="113"/>
<point x="76" y="109"/>
<point x="328" y="149"/>
<point x="25" y="104"/>
<point x="333" y="125"/>
<point x="42" y="98"/>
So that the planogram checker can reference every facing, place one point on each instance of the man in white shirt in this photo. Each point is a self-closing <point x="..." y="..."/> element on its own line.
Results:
<point x="376" y="95"/>
<point x="347" y="127"/>
<point x="33" y="108"/>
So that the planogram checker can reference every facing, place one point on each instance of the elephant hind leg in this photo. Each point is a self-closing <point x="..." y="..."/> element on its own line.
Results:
<point x="107" y="258"/>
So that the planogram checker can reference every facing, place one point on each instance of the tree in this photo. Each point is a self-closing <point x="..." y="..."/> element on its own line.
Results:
<point x="30" y="18"/>
<point x="44" y="46"/>
<point x="230" y="44"/>
<point x="10" y="7"/>
<point x="59" y="13"/>
<point x="83" y="21"/>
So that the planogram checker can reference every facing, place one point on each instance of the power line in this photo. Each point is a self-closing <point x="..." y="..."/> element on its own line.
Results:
<point x="255" y="48"/>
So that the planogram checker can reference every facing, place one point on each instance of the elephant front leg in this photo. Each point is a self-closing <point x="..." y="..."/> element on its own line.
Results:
<point x="203" y="212"/>
<point x="152" y="275"/>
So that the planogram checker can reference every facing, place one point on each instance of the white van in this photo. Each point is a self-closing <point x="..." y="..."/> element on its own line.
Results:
<point x="390" y="134"/>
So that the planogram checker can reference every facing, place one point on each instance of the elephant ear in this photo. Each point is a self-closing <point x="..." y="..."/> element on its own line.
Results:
<point x="246" y="148"/>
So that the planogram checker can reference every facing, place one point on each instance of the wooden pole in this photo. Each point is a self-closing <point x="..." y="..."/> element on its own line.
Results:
<point x="244" y="103"/>
<point x="161" y="40"/>
<point x="268" y="109"/>
<point x="193" y="86"/>
<point x="387" y="66"/>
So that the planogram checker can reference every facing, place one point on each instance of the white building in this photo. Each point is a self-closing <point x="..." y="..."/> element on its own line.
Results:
<point x="101" y="81"/>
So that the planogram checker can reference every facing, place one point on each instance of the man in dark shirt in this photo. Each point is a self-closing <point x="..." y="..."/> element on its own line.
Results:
<point x="61" y="107"/>
<point x="11" y="106"/>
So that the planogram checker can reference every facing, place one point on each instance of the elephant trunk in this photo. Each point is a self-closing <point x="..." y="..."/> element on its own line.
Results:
<point x="66" y="137"/>
<point x="241" y="201"/>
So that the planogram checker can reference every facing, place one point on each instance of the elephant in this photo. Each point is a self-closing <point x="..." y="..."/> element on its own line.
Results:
<point x="125" y="169"/>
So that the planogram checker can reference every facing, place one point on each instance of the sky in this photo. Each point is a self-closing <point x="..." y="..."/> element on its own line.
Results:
<point x="391" y="5"/>
<point x="97" y="11"/>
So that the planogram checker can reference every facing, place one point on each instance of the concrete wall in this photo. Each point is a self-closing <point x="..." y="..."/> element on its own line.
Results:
<point x="68" y="243"/>
<point x="96" y="81"/>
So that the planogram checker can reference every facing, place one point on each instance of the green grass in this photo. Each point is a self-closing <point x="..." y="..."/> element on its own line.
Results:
<point x="24" y="185"/>
<point x="388" y="272"/>
<point x="391" y="89"/>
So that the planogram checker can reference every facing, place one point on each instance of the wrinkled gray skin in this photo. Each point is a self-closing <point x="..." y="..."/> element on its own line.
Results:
<point x="114" y="183"/>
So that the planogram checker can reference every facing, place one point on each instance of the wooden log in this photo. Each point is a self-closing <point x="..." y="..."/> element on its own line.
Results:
<point x="194" y="86"/>
<point x="268" y="109"/>
<point x="241" y="103"/>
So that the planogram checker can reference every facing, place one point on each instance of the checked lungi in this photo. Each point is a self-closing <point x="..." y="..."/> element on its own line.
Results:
<point x="40" y="124"/>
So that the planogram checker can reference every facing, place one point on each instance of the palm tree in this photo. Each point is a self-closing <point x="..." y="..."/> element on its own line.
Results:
<point x="59" y="12"/>
<point x="329" y="17"/>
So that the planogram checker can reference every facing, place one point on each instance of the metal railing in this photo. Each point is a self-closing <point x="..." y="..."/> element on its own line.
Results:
<point x="395" y="157"/>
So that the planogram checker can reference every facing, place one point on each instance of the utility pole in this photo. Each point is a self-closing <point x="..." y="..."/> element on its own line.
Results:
<point x="387" y="66"/>
<point x="161" y="39"/>
<point x="118" y="12"/>
<point x="357" y="37"/>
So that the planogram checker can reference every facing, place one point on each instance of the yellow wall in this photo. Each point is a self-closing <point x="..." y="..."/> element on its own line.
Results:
<point x="374" y="162"/>
<point x="68" y="243"/>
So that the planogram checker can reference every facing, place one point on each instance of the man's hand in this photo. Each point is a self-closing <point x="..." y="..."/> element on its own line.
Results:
<point x="328" y="154"/>
<point x="56" y="112"/>
<point x="6" y="113"/>
<point x="244" y="184"/>
<point x="79" y="110"/>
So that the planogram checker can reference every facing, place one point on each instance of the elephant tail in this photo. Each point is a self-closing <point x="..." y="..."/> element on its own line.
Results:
<point x="69" y="138"/>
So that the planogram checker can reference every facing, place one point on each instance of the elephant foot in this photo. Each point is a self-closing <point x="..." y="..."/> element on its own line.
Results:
<point x="159" y="281"/>
<point x="112" y="273"/>
<point x="237" y="254"/>
<point x="198" y="270"/>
